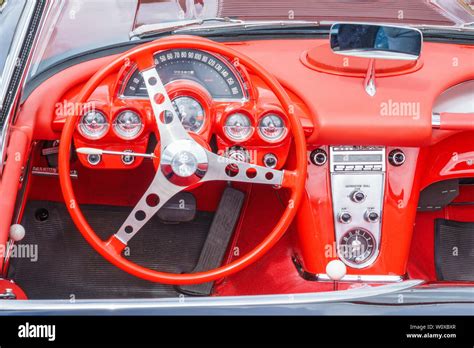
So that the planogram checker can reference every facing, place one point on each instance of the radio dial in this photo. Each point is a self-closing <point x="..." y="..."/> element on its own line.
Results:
<point x="358" y="196"/>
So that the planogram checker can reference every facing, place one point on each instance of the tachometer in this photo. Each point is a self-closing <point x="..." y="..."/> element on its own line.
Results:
<point x="190" y="112"/>
<point x="218" y="77"/>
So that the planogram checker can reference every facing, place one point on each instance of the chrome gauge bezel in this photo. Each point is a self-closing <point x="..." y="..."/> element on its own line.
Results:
<point x="204" y="120"/>
<point x="125" y="137"/>
<point x="251" y="127"/>
<point x="241" y="81"/>
<point x="280" y="137"/>
<point x="81" y="125"/>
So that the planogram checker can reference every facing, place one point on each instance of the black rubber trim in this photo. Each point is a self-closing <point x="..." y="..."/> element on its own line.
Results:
<point x="22" y="58"/>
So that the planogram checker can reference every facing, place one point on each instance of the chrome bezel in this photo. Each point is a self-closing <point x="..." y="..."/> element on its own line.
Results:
<point x="117" y="132"/>
<point x="243" y="83"/>
<point x="201" y="127"/>
<point x="87" y="136"/>
<point x="251" y="126"/>
<point x="272" y="140"/>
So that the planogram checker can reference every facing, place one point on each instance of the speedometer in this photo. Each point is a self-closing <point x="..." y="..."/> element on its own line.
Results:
<point x="218" y="77"/>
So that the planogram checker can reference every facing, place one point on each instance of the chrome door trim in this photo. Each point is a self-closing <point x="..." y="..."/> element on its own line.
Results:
<point x="195" y="302"/>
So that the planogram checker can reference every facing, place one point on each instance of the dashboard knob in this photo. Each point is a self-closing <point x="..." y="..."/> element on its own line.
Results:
<point x="345" y="217"/>
<point x="128" y="159"/>
<point x="396" y="157"/>
<point x="371" y="216"/>
<point x="318" y="157"/>
<point x="358" y="196"/>
<point x="94" y="159"/>
<point x="270" y="160"/>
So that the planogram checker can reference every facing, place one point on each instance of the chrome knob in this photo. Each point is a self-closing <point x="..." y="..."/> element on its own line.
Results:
<point x="396" y="157"/>
<point x="93" y="159"/>
<point x="270" y="160"/>
<point x="345" y="217"/>
<point x="318" y="157"/>
<point x="371" y="216"/>
<point x="358" y="196"/>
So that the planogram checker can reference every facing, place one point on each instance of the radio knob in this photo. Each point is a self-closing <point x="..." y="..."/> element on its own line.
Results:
<point x="396" y="157"/>
<point x="358" y="196"/>
<point x="345" y="217"/>
<point x="318" y="157"/>
<point x="371" y="216"/>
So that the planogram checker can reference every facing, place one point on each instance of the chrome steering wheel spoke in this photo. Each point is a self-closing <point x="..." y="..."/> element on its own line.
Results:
<point x="226" y="169"/>
<point x="167" y="119"/>
<point x="159" y="192"/>
<point x="171" y="132"/>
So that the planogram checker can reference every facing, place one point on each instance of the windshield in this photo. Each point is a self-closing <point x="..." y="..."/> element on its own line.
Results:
<point x="74" y="26"/>
<point x="10" y="13"/>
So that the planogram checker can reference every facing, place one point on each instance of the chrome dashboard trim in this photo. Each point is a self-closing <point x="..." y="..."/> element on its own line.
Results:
<point x="436" y="120"/>
<point x="343" y="182"/>
<point x="361" y="278"/>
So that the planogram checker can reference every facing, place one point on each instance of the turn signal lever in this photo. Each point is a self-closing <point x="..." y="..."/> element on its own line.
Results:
<point x="453" y="121"/>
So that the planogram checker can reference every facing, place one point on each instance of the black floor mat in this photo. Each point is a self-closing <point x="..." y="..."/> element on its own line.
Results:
<point x="67" y="266"/>
<point x="454" y="250"/>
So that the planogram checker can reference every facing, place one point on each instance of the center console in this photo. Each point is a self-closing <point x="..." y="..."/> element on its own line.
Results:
<point x="357" y="186"/>
<point x="360" y="207"/>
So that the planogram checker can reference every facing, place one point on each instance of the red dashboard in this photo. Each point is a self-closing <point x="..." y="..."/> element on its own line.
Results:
<point x="333" y="108"/>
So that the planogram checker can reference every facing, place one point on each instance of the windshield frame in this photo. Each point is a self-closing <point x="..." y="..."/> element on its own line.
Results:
<point x="13" y="78"/>
<point x="14" y="39"/>
<point x="67" y="19"/>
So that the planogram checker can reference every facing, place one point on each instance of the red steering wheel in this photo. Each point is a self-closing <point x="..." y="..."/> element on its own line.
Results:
<point x="177" y="148"/>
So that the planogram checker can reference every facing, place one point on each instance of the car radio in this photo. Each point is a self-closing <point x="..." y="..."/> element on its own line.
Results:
<point x="357" y="158"/>
<point x="357" y="186"/>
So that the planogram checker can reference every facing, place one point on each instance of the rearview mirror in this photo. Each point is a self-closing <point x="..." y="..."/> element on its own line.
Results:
<point x="376" y="41"/>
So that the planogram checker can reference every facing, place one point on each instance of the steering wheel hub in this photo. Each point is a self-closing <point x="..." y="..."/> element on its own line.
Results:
<point x="183" y="162"/>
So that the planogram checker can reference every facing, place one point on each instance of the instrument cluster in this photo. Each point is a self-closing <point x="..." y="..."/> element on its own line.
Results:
<point x="212" y="97"/>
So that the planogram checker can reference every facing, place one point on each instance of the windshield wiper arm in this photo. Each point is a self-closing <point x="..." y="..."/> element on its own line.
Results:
<point x="166" y="27"/>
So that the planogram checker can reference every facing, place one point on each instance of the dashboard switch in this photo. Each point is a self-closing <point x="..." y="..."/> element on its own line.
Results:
<point x="345" y="217"/>
<point x="93" y="159"/>
<point x="371" y="216"/>
<point x="128" y="159"/>
<point x="270" y="160"/>
<point x="358" y="196"/>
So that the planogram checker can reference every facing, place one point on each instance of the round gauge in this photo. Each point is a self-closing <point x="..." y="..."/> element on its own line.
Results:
<point x="190" y="112"/>
<point x="272" y="127"/>
<point x="128" y="124"/>
<point x="357" y="246"/>
<point x="238" y="127"/>
<point x="93" y="125"/>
